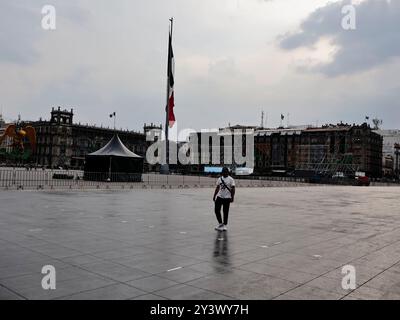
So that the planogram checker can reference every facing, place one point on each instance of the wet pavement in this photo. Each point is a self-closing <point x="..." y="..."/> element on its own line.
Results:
<point x="282" y="243"/>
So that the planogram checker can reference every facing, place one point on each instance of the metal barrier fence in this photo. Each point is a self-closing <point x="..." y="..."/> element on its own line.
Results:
<point x="74" y="179"/>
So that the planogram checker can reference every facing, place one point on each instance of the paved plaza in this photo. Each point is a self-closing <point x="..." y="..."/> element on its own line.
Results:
<point x="282" y="243"/>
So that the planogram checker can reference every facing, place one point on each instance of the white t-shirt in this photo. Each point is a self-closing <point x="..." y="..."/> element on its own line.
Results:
<point x="223" y="191"/>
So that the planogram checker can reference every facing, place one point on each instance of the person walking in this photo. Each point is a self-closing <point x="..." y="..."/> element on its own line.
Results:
<point x="224" y="195"/>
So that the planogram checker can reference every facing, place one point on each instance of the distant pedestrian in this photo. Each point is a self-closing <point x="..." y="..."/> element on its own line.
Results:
<point x="223" y="196"/>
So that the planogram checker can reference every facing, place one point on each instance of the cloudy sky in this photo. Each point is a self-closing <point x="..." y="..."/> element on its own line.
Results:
<point x="234" y="58"/>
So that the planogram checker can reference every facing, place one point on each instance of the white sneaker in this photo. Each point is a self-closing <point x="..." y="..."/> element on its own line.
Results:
<point x="225" y="227"/>
<point x="220" y="227"/>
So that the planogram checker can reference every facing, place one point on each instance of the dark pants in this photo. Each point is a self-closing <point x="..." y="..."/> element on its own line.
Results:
<point x="225" y="203"/>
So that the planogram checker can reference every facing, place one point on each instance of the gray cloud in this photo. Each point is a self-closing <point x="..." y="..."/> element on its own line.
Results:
<point x="375" y="41"/>
<point x="107" y="57"/>
<point x="18" y="33"/>
<point x="20" y="26"/>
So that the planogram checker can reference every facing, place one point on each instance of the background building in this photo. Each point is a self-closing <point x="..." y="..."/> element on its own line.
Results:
<point x="218" y="149"/>
<point x="330" y="148"/>
<point x="390" y="139"/>
<point x="6" y="148"/>
<point x="63" y="143"/>
<point x="2" y="130"/>
<point x="277" y="150"/>
<point x="301" y="150"/>
<point x="388" y="166"/>
<point x="2" y="123"/>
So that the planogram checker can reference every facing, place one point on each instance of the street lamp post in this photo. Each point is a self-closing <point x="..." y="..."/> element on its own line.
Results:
<point x="397" y="153"/>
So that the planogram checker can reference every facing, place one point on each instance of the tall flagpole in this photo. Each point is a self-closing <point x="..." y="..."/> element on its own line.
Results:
<point x="165" y="167"/>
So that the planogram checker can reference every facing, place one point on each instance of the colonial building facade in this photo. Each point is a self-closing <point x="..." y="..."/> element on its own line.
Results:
<point x="216" y="148"/>
<point x="63" y="143"/>
<point x="391" y="142"/>
<point x="299" y="150"/>
<point x="327" y="148"/>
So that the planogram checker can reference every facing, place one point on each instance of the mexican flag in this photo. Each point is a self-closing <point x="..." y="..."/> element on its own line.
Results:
<point x="171" y="71"/>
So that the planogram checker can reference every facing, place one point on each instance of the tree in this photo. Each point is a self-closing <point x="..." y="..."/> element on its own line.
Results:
<point x="377" y="123"/>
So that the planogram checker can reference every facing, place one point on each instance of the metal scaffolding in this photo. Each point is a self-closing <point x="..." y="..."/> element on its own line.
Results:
<point x="331" y="165"/>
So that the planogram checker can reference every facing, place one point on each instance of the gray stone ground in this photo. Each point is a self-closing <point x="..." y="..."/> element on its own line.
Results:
<point x="282" y="243"/>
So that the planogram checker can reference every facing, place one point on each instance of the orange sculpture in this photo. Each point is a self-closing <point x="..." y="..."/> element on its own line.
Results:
<point x="17" y="136"/>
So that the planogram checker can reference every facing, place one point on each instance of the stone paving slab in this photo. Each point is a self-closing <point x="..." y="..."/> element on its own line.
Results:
<point x="282" y="243"/>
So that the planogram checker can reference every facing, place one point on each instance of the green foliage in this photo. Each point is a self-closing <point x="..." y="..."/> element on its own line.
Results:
<point x="16" y="155"/>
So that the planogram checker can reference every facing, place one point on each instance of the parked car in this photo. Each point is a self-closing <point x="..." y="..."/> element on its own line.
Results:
<point x="363" y="181"/>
